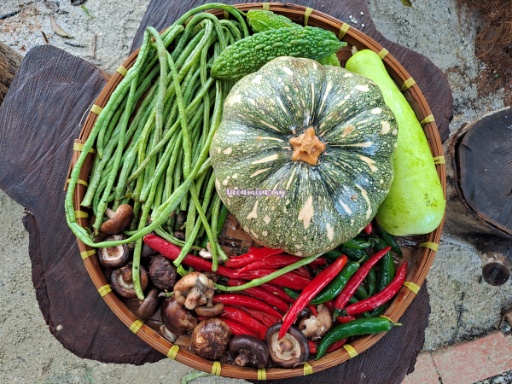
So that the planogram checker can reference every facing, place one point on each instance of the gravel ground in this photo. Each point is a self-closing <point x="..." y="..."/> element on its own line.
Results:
<point x="462" y="306"/>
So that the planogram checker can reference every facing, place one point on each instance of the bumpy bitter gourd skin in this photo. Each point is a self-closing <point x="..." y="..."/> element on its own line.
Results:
<point x="251" y="53"/>
<point x="327" y="203"/>
<point x="262" y="21"/>
<point x="415" y="203"/>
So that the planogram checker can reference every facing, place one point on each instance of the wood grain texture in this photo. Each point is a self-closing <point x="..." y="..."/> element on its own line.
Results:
<point x="10" y="61"/>
<point x="431" y="80"/>
<point x="39" y="119"/>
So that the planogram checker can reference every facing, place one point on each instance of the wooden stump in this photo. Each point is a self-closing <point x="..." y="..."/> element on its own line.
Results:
<point x="479" y="191"/>
<point x="10" y="61"/>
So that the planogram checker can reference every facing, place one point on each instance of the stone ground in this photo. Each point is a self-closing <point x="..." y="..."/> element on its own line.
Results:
<point x="462" y="306"/>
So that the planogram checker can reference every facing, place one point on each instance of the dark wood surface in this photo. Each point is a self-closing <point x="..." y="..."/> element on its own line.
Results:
<point x="431" y="80"/>
<point x="40" y="118"/>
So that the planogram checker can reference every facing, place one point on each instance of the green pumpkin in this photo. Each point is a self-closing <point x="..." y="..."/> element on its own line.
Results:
<point x="312" y="206"/>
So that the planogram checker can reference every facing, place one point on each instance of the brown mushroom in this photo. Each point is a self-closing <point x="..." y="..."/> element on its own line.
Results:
<point x="178" y="319"/>
<point x="194" y="289"/>
<point x="163" y="273"/>
<point x="210" y="338"/>
<point x="289" y="352"/>
<point x="146" y="308"/>
<point x="210" y="310"/>
<point x="122" y="282"/>
<point x="147" y="251"/>
<point x="118" y="220"/>
<point x="249" y="350"/>
<point x="114" y="257"/>
<point x="314" y="327"/>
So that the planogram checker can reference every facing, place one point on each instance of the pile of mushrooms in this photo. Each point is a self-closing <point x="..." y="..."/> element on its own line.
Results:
<point x="189" y="299"/>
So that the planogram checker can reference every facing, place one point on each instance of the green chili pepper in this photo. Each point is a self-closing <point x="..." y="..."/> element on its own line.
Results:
<point x="353" y="328"/>
<point x="386" y="275"/>
<point x="389" y="239"/>
<point x="372" y="281"/>
<point x="353" y="254"/>
<point x="333" y="254"/>
<point x="357" y="243"/>
<point x="361" y="293"/>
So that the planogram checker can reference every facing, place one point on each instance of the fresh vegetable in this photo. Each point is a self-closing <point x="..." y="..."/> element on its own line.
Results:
<point x="372" y="281"/>
<point x="382" y="297"/>
<point x="251" y="53"/>
<point x="262" y="21"/>
<point x="386" y="274"/>
<point x="368" y="229"/>
<point x="355" y="282"/>
<point x="334" y="287"/>
<point x="415" y="203"/>
<point x="242" y="318"/>
<point x="278" y="291"/>
<point x="354" y="254"/>
<point x="246" y="301"/>
<point x="220" y="224"/>
<point x="390" y="240"/>
<point x="261" y="294"/>
<point x="252" y="256"/>
<point x="353" y="328"/>
<point x="236" y="328"/>
<point x="312" y="308"/>
<point x="289" y="279"/>
<point x="357" y="244"/>
<point x="252" y="144"/>
<point x="310" y="292"/>
<point x="277" y="262"/>
<point x="263" y="317"/>
<point x="337" y="345"/>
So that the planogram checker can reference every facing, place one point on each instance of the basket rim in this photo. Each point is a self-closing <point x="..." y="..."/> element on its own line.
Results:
<point x="400" y="302"/>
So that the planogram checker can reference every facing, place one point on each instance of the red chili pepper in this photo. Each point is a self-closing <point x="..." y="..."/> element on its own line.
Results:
<point x="248" y="322"/>
<point x="172" y="252"/>
<point x="330" y="304"/>
<point x="319" y="282"/>
<point x="245" y="301"/>
<point x="291" y="280"/>
<point x="336" y="345"/>
<point x="312" y="308"/>
<point x="345" y="319"/>
<point x="251" y="256"/>
<point x="261" y="294"/>
<point x="380" y="298"/>
<point x="368" y="229"/>
<point x="236" y="329"/>
<point x="263" y="317"/>
<point x="312" y="347"/>
<point x="303" y="271"/>
<point x="278" y="261"/>
<point x="313" y="267"/>
<point x="278" y="291"/>
<point x="356" y="281"/>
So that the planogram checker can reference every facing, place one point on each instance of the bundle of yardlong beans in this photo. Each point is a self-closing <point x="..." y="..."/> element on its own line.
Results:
<point x="159" y="160"/>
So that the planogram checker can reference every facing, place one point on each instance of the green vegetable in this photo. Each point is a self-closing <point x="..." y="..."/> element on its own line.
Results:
<point x="354" y="328"/>
<point x="250" y="54"/>
<point x="333" y="254"/>
<point x="322" y="205"/>
<point x="415" y="203"/>
<point x="352" y="253"/>
<point x="357" y="244"/>
<point x="372" y="282"/>
<point x="389" y="240"/>
<point x="262" y="21"/>
<point x="386" y="274"/>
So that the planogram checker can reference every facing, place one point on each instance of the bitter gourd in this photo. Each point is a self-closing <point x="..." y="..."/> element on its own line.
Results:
<point x="262" y="21"/>
<point x="253" y="52"/>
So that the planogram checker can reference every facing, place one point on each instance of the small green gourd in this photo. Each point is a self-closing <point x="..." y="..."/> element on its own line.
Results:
<point x="251" y="53"/>
<point x="415" y="203"/>
<point x="262" y="21"/>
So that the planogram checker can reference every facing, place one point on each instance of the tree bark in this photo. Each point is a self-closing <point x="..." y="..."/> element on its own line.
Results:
<point x="479" y="191"/>
<point x="10" y="60"/>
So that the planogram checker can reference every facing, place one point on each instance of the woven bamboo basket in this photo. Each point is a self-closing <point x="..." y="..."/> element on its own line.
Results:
<point x="418" y="250"/>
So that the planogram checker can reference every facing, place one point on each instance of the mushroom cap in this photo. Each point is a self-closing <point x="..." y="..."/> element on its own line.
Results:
<point x="194" y="289"/>
<point x="291" y="350"/>
<point x="149" y="306"/>
<point x="210" y="311"/>
<point x="114" y="257"/>
<point x="254" y="352"/>
<point x="178" y="319"/>
<point x="147" y="251"/>
<point x="210" y="338"/>
<point x="163" y="273"/>
<point x="315" y="327"/>
<point x="120" y="220"/>
<point x="124" y="285"/>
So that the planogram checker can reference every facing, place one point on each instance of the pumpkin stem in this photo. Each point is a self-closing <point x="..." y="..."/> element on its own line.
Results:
<point x="307" y="147"/>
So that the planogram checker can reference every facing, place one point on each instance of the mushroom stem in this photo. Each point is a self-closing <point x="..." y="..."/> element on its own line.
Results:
<point x="126" y="275"/>
<point x="110" y="213"/>
<point x="243" y="358"/>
